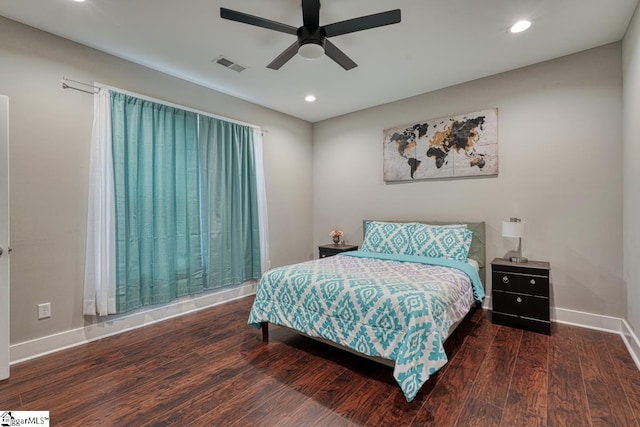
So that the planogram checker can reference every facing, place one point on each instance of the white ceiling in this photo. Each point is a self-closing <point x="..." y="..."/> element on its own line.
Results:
<point x="438" y="43"/>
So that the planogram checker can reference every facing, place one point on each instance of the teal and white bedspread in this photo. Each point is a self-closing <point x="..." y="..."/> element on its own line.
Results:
<point x="397" y="307"/>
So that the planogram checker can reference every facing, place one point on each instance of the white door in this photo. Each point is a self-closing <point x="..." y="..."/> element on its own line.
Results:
<point x="4" y="237"/>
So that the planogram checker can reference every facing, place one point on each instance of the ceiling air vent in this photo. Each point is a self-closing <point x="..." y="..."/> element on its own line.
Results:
<point x="226" y="62"/>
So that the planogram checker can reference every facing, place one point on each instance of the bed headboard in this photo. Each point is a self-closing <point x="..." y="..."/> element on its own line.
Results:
<point x="478" y="247"/>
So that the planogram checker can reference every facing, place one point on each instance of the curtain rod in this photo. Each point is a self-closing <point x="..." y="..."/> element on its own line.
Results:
<point x="97" y="88"/>
<point x="66" y="86"/>
<point x="182" y="107"/>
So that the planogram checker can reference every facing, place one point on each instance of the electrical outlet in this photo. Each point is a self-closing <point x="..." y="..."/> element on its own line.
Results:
<point x="44" y="310"/>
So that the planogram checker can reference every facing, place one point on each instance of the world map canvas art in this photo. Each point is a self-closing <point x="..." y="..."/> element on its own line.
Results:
<point x="449" y="147"/>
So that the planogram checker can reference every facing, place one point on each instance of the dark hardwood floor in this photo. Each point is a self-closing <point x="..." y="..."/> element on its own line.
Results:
<point x="211" y="369"/>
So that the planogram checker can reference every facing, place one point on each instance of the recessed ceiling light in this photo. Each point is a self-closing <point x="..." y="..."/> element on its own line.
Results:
<point x="520" y="26"/>
<point x="309" y="98"/>
<point x="79" y="1"/>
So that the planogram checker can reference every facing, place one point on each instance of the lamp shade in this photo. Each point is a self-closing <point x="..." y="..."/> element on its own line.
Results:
<point x="513" y="229"/>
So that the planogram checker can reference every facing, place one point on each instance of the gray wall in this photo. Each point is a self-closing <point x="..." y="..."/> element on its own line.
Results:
<point x="50" y="131"/>
<point x="560" y="148"/>
<point x="631" y="154"/>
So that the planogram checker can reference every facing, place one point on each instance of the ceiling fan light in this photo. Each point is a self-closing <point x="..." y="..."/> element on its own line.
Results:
<point x="311" y="51"/>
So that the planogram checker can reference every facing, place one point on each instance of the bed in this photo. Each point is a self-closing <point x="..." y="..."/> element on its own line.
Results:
<point x="395" y="300"/>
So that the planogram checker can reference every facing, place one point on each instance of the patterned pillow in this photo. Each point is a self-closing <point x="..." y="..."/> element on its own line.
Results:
<point x="440" y="242"/>
<point x="387" y="237"/>
<point x="445" y="225"/>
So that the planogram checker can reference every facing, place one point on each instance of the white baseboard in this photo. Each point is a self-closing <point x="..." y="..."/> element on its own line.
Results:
<point x="601" y="323"/>
<point x="594" y="321"/>
<point x="39" y="347"/>
<point x="586" y="320"/>
<point x="114" y="325"/>
<point x="631" y="341"/>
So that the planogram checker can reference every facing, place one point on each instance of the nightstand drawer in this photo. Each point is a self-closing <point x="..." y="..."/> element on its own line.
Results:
<point x="521" y="305"/>
<point x="530" y="284"/>
<point x="540" y="326"/>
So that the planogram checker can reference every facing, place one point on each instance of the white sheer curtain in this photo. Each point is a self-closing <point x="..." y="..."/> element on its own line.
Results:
<point x="262" y="201"/>
<point x="100" y="271"/>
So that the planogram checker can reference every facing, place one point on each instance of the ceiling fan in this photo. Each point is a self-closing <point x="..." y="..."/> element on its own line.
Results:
<point x="312" y="37"/>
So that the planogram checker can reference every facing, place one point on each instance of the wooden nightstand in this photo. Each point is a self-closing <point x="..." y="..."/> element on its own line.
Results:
<point x="331" y="250"/>
<point x="520" y="294"/>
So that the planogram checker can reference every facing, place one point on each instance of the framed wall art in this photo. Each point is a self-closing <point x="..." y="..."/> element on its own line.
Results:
<point x="451" y="147"/>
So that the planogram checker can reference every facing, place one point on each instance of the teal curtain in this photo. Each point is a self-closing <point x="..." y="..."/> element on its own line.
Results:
<point x="186" y="202"/>
<point x="159" y="245"/>
<point x="229" y="200"/>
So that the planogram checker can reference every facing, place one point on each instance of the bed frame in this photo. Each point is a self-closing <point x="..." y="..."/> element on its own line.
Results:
<point x="476" y="252"/>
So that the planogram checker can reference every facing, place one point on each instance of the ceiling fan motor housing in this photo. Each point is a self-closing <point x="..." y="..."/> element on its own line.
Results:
<point x="311" y="35"/>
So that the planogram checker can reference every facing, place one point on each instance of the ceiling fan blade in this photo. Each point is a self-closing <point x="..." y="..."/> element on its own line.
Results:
<point x="363" y="23"/>
<point x="245" y="18"/>
<point x="285" y="56"/>
<point x="339" y="56"/>
<point x="311" y="12"/>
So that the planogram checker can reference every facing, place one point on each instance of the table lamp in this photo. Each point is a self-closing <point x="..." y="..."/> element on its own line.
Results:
<point x="515" y="228"/>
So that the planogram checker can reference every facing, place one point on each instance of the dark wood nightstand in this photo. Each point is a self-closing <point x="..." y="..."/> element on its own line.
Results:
<point x="331" y="250"/>
<point x="520" y="294"/>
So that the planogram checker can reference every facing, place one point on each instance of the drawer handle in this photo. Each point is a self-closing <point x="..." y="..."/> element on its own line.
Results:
<point x="505" y="279"/>
<point x="519" y="299"/>
<point x="532" y="281"/>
